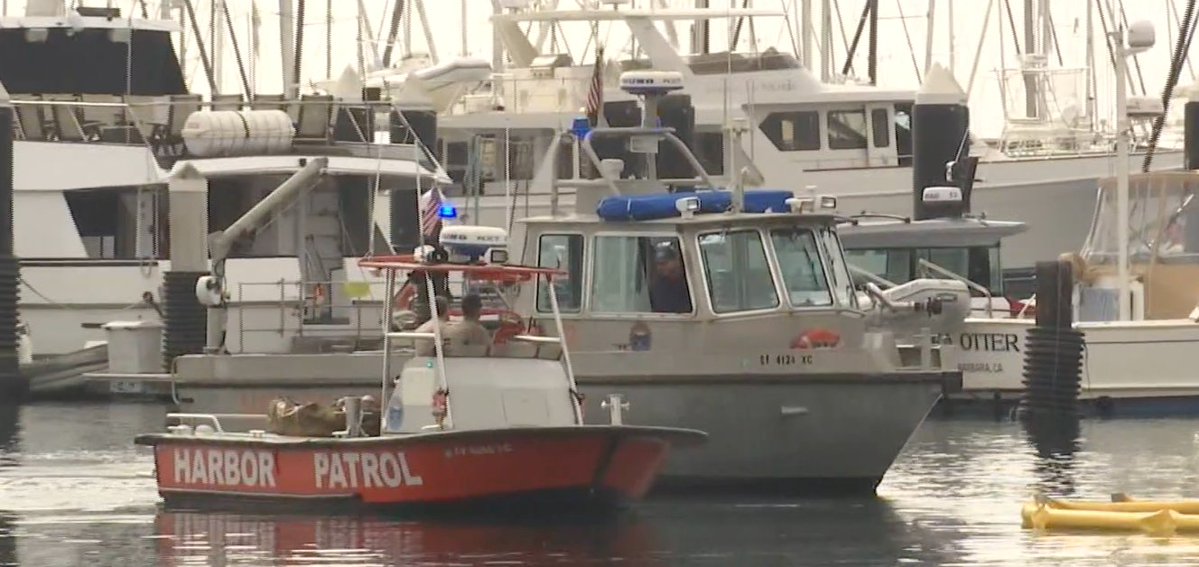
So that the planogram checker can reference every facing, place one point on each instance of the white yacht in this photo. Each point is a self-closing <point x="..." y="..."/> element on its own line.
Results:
<point x="848" y="140"/>
<point x="96" y="146"/>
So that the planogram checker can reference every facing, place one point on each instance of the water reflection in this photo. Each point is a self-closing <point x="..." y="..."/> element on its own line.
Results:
<point x="190" y="537"/>
<point x="1055" y="441"/>
<point x="10" y="429"/>
<point x="8" y="539"/>
<point x="863" y="532"/>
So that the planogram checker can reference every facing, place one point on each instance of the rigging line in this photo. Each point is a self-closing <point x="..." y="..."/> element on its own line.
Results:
<point x="241" y="67"/>
<point x="191" y="15"/>
<point x="1185" y="32"/>
<point x="1174" y="13"/>
<point x="299" y="31"/>
<point x="1057" y="45"/>
<point x="911" y="49"/>
<point x="1012" y="24"/>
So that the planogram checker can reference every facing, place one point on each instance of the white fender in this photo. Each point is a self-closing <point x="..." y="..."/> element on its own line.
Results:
<point x="209" y="292"/>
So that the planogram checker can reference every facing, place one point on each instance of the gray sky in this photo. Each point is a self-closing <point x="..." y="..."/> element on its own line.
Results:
<point x="896" y="68"/>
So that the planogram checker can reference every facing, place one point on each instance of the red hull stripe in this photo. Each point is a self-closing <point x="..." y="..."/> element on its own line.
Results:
<point x="401" y="472"/>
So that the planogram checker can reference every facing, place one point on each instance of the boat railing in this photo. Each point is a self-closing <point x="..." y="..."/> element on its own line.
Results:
<point x="181" y="423"/>
<point x="307" y="314"/>
<point x="926" y="267"/>
<point x="491" y="350"/>
<point x="867" y="275"/>
<point x="156" y="122"/>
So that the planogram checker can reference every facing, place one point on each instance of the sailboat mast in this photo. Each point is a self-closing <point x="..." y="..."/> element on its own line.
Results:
<point x="805" y="33"/>
<point x="700" y="35"/>
<point x="287" y="27"/>
<point x="1030" y="47"/>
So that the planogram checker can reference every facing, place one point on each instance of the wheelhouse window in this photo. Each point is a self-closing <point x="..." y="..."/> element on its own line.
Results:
<point x="793" y="131"/>
<point x="710" y="151"/>
<point x="801" y="268"/>
<point x="120" y="224"/>
<point x="839" y="279"/>
<point x="979" y="264"/>
<point x="737" y="271"/>
<point x="880" y="126"/>
<point x="561" y="252"/>
<point x="903" y="132"/>
<point x="894" y="265"/>
<point x="847" y="129"/>
<point x="639" y="274"/>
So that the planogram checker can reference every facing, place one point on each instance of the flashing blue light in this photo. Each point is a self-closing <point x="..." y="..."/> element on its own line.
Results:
<point x="448" y="211"/>
<point x="580" y="127"/>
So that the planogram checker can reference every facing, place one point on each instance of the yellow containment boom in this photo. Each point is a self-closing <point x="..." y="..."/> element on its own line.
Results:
<point x="1155" y="518"/>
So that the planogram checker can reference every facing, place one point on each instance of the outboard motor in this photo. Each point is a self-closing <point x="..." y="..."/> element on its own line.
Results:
<point x="935" y="306"/>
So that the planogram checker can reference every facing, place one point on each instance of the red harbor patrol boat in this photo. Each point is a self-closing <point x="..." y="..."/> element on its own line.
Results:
<point x="470" y="424"/>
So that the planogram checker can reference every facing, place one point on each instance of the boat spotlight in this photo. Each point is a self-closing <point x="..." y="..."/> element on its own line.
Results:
<point x="801" y="205"/>
<point x="687" y="206"/>
<point x="828" y="202"/>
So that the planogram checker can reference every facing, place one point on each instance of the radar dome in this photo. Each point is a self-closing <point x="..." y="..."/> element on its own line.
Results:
<point x="651" y="82"/>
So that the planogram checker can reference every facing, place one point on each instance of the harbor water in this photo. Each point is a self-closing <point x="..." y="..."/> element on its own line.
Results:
<point x="75" y="491"/>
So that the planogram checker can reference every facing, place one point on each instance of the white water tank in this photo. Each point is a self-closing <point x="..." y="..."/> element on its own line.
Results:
<point x="238" y="133"/>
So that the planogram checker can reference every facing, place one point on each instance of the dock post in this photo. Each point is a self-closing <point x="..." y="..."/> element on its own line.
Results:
<point x="1190" y="130"/>
<point x="1053" y="348"/>
<point x="940" y="138"/>
<point x="185" y="318"/>
<point x="13" y="386"/>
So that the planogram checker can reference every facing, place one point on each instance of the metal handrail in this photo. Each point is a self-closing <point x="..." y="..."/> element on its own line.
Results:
<point x="927" y="265"/>
<point x="298" y="305"/>
<point x="875" y="278"/>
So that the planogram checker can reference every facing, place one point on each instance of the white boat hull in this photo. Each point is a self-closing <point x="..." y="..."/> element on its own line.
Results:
<point x="1122" y="361"/>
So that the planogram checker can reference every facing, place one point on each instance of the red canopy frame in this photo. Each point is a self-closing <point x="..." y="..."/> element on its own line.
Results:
<point x="493" y="272"/>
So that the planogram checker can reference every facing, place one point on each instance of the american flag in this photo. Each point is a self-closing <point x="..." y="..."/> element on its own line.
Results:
<point x="595" y="95"/>
<point x="430" y="206"/>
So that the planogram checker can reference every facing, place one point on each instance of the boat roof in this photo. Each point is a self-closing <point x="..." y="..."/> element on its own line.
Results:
<point x="616" y="15"/>
<point x="86" y="22"/>
<point x="929" y="233"/>
<point x="507" y="272"/>
<point x="699" y="219"/>
<point x="286" y="164"/>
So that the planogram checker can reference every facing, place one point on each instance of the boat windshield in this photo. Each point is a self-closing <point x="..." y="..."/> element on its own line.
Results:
<point x="737" y="272"/>
<point x="1162" y="221"/>
<point x="803" y="272"/>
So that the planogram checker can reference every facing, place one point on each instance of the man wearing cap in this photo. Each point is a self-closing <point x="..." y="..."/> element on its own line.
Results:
<point x="668" y="291"/>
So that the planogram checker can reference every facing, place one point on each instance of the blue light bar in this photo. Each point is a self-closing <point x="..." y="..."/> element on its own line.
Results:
<point x="447" y="211"/>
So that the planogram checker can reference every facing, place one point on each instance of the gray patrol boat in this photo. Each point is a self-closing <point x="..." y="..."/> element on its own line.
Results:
<point x="730" y="311"/>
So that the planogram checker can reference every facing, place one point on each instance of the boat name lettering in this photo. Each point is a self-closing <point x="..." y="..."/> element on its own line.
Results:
<point x="989" y="342"/>
<point x="784" y="359"/>
<point x="981" y="367"/>
<point x="224" y="467"/>
<point x="462" y="451"/>
<point x="362" y="470"/>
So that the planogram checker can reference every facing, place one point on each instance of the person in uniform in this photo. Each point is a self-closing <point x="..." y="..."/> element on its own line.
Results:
<point x="424" y="347"/>
<point x="668" y="291"/>
<point x="469" y="331"/>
